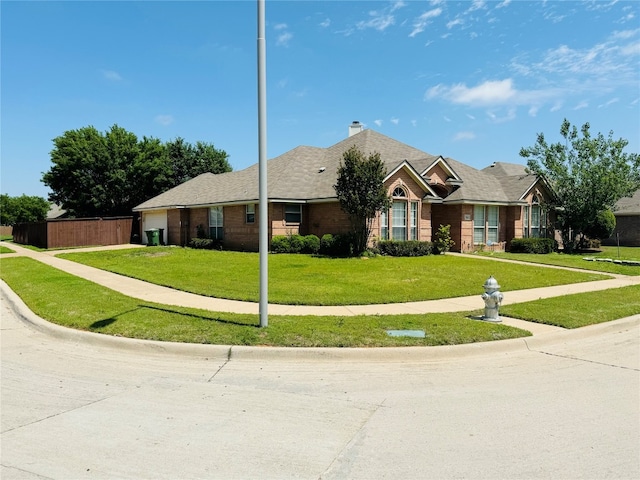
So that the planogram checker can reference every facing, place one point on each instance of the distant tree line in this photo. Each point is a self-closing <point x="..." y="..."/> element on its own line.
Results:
<point x="22" y="209"/>
<point x="107" y="174"/>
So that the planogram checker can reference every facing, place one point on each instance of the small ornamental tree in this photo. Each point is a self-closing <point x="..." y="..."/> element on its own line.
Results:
<point x="588" y="175"/>
<point x="361" y="192"/>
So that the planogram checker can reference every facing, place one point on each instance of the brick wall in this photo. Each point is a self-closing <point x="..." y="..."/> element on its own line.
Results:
<point x="449" y="215"/>
<point x="628" y="228"/>
<point x="238" y="234"/>
<point x="327" y="218"/>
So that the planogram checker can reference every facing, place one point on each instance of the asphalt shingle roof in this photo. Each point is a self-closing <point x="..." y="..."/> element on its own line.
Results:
<point x="309" y="173"/>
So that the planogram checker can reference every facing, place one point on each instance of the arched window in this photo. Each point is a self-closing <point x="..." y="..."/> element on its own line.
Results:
<point x="399" y="192"/>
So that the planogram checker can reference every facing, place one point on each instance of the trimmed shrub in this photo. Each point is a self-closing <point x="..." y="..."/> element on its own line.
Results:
<point x="443" y="242"/>
<point x="205" y="244"/>
<point x="412" y="248"/>
<point x="533" y="245"/>
<point x="296" y="244"/>
<point x="336" y="245"/>
<point x="311" y="244"/>
<point x="280" y="244"/>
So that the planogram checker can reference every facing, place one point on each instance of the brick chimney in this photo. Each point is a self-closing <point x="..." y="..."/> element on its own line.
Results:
<point x="355" y="127"/>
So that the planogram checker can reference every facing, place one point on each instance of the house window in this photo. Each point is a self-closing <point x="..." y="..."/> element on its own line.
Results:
<point x="492" y="224"/>
<point x="478" y="224"/>
<point x="399" y="192"/>
<point x="486" y="224"/>
<point x="293" y="213"/>
<point x="399" y="221"/>
<point x="535" y="220"/>
<point x="384" y="225"/>
<point x="413" y="232"/>
<point x="250" y="214"/>
<point x="216" y="223"/>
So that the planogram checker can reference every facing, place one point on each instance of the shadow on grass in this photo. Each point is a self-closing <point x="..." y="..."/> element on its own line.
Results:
<point x="200" y="317"/>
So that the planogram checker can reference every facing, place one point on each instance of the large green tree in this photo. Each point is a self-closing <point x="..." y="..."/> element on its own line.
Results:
<point x="22" y="209"/>
<point x="188" y="161"/>
<point x="589" y="174"/>
<point x="361" y="193"/>
<point x="107" y="174"/>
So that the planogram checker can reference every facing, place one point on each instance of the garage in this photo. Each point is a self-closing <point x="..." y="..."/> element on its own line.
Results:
<point x="155" y="219"/>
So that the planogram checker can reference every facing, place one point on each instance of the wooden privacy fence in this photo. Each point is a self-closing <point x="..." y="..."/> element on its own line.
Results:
<point x="74" y="232"/>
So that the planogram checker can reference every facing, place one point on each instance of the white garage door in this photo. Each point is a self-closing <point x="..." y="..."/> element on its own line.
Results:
<point x="155" y="219"/>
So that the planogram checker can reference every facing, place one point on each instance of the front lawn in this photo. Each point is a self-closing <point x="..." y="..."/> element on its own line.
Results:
<point x="4" y="249"/>
<point x="577" y="260"/>
<point x="77" y="303"/>
<point x="308" y="280"/>
<point x="581" y="309"/>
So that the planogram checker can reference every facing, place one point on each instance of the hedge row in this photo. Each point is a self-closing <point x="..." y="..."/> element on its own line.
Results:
<point x="411" y="248"/>
<point x="533" y="245"/>
<point x="295" y="244"/>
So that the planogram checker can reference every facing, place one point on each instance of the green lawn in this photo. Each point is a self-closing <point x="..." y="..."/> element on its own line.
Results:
<point x="308" y="280"/>
<point x="4" y="249"/>
<point x="581" y="309"/>
<point x="577" y="260"/>
<point x="77" y="303"/>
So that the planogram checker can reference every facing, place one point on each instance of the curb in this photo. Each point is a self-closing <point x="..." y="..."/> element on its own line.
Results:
<point x="227" y="353"/>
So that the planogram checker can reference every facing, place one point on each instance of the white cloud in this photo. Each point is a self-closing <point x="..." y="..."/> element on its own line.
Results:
<point x="503" y="4"/>
<point x="533" y="110"/>
<point x="378" y="21"/>
<point x="283" y="82"/>
<point x="423" y="20"/>
<point x="395" y="120"/>
<point x="470" y="116"/>
<point x="280" y="26"/>
<point x="283" y="39"/>
<point x="325" y="23"/>
<point x="464" y="136"/>
<point x="111" y="75"/>
<point x="164" y="120"/>
<point x="500" y="117"/>
<point x="398" y="4"/>
<point x="453" y="23"/>
<point x="610" y="102"/>
<point x="581" y="105"/>
<point x="446" y="119"/>
<point x="476" y="5"/>
<point x="414" y="123"/>
<point x="378" y="122"/>
<point x="556" y="106"/>
<point x="487" y="93"/>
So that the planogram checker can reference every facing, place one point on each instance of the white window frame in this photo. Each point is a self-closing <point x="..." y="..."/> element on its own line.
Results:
<point x="216" y="223"/>
<point x="291" y="212"/>
<point x="413" y="218"/>
<point x="384" y="225"/>
<point x="250" y="213"/>
<point x="486" y="231"/>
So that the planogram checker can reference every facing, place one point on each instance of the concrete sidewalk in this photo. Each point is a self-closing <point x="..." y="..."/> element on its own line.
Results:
<point x="168" y="296"/>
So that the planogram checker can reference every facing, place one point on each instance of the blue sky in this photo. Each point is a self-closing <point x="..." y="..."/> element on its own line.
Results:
<point x="474" y="81"/>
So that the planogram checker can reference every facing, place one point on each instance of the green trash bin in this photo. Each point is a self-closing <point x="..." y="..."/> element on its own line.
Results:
<point x="153" y="237"/>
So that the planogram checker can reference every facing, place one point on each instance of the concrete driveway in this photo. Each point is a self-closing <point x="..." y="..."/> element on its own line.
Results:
<point x="557" y="405"/>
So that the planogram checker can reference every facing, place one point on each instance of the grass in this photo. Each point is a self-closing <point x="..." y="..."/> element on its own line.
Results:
<point x="576" y="260"/>
<point x="77" y="303"/>
<point x="307" y="280"/>
<point x="4" y="249"/>
<point x="6" y="238"/>
<point x="581" y="309"/>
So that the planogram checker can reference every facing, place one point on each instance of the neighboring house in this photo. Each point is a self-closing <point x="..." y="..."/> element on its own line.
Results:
<point x="485" y="208"/>
<point x="627" y="212"/>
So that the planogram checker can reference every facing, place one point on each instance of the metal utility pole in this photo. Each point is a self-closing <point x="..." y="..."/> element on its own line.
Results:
<point x="263" y="210"/>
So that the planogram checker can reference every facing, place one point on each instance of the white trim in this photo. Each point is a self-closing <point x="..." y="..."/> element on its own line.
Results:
<point x="414" y="173"/>
<point x="446" y="167"/>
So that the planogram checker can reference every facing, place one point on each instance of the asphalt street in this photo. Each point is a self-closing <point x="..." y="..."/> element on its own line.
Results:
<point x="560" y="405"/>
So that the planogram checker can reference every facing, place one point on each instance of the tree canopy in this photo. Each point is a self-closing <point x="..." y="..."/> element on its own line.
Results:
<point x="107" y="174"/>
<point x="22" y="209"/>
<point x="361" y="193"/>
<point x="588" y="175"/>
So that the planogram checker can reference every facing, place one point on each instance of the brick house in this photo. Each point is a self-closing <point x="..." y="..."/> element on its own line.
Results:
<point x="485" y="208"/>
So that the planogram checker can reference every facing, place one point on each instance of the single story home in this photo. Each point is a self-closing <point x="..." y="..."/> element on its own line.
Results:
<point x="485" y="208"/>
<point x="627" y="213"/>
